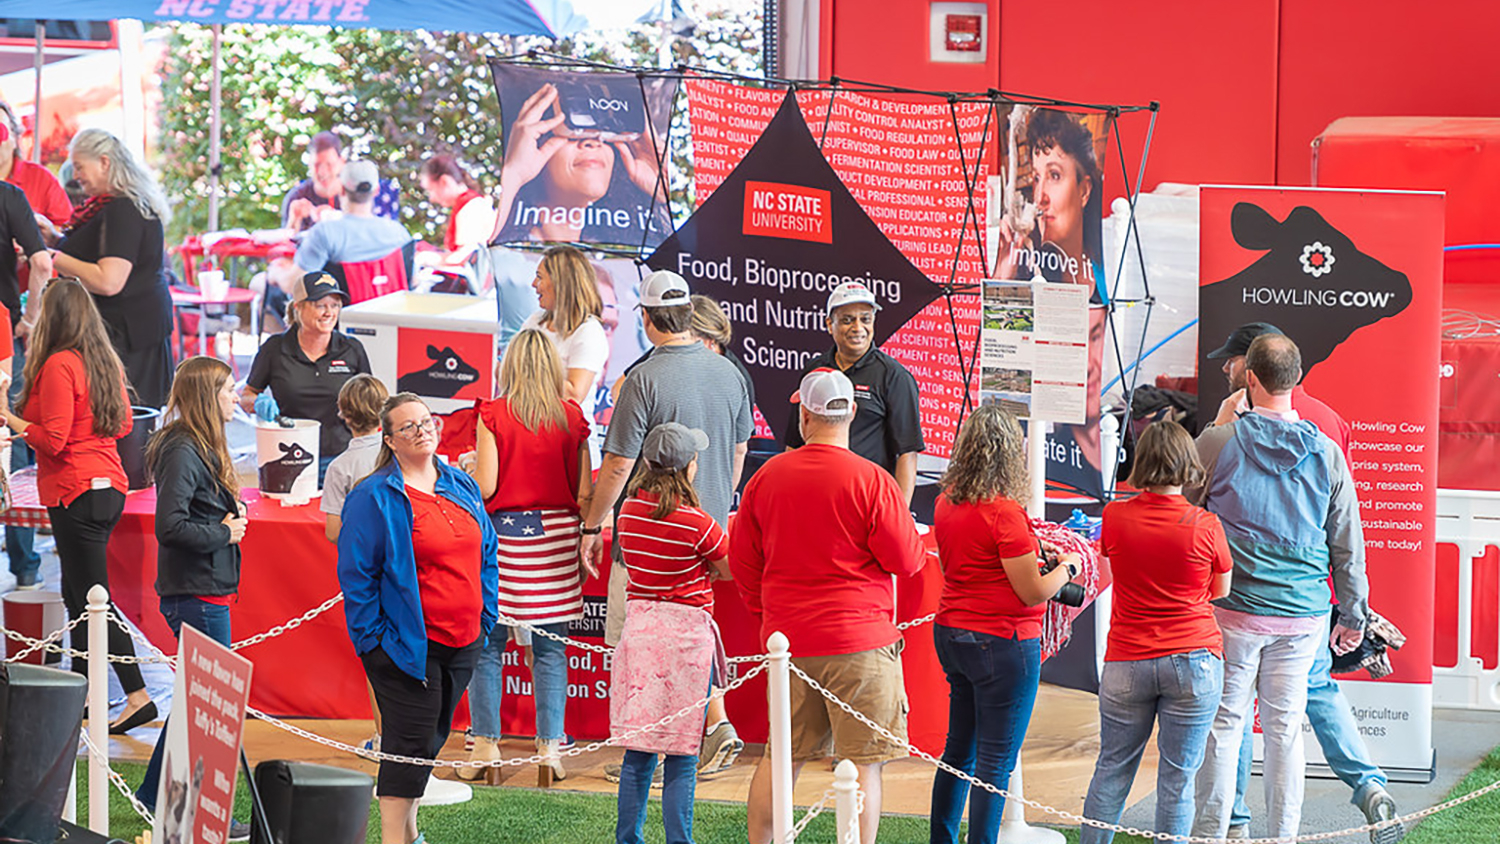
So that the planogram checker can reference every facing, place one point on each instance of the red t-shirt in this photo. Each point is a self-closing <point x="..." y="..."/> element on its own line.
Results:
<point x="538" y="469"/>
<point x="1163" y="553"/>
<point x="1326" y="418"/>
<point x="972" y="540"/>
<point x="7" y="340"/>
<point x="819" y="533"/>
<point x="450" y="236"/>
<point x="70" y="458"/>
<point x="667" y="559"/>
<point x="447" y="543"/>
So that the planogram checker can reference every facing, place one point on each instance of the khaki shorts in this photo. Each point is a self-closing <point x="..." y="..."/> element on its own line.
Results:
<point x="614" y="607"/>
<point x="871" y="682"/>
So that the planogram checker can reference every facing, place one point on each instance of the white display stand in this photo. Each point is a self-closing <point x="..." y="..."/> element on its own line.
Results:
<point x="440" y="346"/>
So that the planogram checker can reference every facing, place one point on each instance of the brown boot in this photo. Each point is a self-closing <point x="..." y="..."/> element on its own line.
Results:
<point x="485" y="750"/>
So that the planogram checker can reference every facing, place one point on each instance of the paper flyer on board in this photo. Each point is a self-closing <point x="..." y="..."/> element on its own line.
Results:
<point x="1034" y="350"/>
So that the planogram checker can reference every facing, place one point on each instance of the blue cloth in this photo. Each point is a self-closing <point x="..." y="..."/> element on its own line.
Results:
<point x="549" y="675"/>
<point x="348" y="239"/>
<point x="509" y="17"/>
<point x="1338" y="735"/>
<point x="992" y="687"/>
<point x="378" y="569"/>
<point x="1181" y="691"/>
<point x="678" y="786"/>
<point x="212" y="620"/>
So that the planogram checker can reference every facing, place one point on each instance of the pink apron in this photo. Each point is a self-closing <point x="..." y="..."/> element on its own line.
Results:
<point x="662" y="665"/>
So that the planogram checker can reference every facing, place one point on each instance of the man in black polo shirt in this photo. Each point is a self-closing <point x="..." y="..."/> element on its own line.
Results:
<point x="887" y="427"/>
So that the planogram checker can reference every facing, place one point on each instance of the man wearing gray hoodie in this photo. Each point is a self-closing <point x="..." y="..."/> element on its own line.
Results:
<point x="1286" y="499"/>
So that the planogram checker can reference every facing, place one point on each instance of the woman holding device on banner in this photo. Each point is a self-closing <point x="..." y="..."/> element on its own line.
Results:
<point x="417" y="565"/>
<point x="573" y="175"/>
<point x="72" y="409"/>
<point x="567" y="291"/>
<point x="115" y="245"/>
<point x="199" y="517"/>
<point x="533" y="470"/>
<point x="989" y="620"/>
<point x="1165" y="661"/>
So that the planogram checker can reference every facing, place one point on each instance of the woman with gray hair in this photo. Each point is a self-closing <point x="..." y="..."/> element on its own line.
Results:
<point x="115" y="245"/>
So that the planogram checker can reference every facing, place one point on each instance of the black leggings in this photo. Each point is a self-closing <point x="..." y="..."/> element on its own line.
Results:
<point x="415" y="715"/>
<point x="82" y="532"/>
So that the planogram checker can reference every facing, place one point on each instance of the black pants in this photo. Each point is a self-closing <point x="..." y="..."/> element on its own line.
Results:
<point x="416" y="716"/>
<point x="150" y="372"/>
<point x="82" y="532"/>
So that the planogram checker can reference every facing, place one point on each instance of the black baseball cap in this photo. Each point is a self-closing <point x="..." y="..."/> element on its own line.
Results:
<point x="320" y="285"/>
<point x="1240" y="339"/>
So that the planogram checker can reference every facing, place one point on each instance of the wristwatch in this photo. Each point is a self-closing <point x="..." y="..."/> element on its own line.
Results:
<point x="1072" y="570"/>
<point x="591" y="531"/>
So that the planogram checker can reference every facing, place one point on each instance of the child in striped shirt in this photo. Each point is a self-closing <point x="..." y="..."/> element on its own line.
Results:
<point x="670" y="646"/>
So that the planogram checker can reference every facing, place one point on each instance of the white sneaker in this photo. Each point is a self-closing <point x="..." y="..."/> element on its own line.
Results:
<point x="1378" y="806"/>
<point x="719" y="749"/>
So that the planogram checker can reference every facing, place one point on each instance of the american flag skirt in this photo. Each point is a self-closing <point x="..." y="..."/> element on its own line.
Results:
<point x="540" y="580"/>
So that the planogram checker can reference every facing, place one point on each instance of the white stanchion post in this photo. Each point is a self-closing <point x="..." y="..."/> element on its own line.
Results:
<point x="779" y="684"/>
<point x="1013" y="826"/>
<point x="1036" y="467"/>
<point x="846" y="802"/>
<point x="70" y="808"/>
<point x="98" y="622"/>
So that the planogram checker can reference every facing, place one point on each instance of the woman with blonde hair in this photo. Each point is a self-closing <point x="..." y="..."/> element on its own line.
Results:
<point x="115" y="245"/>
<point x="71" y="410"/>
<point x="200" y="520"/>
<point x="989" y="620"/>
<point x="568" y="292"/>
<point x="533" y="469"/>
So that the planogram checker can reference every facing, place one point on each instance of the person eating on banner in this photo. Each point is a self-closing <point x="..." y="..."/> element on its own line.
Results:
<point x="888" y="428"/>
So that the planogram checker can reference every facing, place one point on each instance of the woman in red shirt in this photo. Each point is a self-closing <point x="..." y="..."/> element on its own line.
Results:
<point x="73" y="408"/>
<point x="989" y="619"/>
<point x="1165" y="659"/>
<point x="533" y="469"/>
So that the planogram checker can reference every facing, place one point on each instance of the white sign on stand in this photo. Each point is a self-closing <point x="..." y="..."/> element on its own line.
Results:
<point x="1034" y="350"/>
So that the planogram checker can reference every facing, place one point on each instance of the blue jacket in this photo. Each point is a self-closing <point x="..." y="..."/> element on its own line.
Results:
<point x="1287" y="502"/>
<point x="378" y="568"/>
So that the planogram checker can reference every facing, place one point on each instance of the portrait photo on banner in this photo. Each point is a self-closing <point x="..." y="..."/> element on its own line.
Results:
<point x="1044" y="223"/>
<point x="582" y="156"/>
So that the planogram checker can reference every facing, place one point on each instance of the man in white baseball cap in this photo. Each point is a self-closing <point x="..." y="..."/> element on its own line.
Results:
<point x="815" y="561"/>
<point x="888" y="428"/>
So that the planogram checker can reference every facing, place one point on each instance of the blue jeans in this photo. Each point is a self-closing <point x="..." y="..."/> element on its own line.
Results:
<point x="992" y="687"/>
<point x="679" y="784"/>
<point x="1181" y="691"/>
<point x="549" y="676"/>
<point x="24" y="560"/>
<point x="1337" y="733"/>
<point x="212" y="621"/>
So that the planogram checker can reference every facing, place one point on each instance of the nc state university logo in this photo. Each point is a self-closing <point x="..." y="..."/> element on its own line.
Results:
<point x="443" y="378"/>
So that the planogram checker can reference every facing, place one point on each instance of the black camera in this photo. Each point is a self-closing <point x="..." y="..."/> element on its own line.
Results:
<point x="1071" y="594"/>
<point x="594" y="110"/>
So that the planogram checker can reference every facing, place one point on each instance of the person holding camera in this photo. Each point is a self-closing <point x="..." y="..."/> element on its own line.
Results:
<point x="989" y="621"/>
<point x="1165" y="660"/>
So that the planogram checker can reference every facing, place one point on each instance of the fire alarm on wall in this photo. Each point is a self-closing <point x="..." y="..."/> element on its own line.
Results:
<point x="958" y="32"/>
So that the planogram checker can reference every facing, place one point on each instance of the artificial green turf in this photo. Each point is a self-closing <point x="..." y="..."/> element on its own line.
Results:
<point x="1476" y="821"/>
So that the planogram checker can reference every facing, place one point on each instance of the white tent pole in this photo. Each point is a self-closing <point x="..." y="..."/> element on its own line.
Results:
<point x="215" y="130"/>
<point x="36" y="102"/>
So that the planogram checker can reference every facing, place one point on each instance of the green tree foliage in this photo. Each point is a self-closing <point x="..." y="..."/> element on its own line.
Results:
<point x="394" y="97"/>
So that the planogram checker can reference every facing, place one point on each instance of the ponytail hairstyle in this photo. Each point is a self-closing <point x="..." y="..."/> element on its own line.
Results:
<point x="193" y="409"/>
<point x="671" y="487"/>
<point x="70" y="321"/>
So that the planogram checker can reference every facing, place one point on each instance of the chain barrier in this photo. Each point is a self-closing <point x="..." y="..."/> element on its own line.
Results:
<point x="577" y="750"/>
<point x="1073" y="819"/>
<point x="290" y="625"/>
<point x="812" y="812"/>
<point x="119" y="781"/>
<point x="48" y="644"/>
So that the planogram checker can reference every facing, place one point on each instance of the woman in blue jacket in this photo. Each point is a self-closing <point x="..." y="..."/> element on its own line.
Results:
<point x="419" y="568"/>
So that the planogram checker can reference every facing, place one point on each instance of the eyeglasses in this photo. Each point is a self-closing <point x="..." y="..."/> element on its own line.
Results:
<point x="412" y="429"/>
<point x="846" y="320"/>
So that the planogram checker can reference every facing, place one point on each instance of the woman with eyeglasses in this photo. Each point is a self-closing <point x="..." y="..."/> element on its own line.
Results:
<point x="305" y="366"/>
<point x="418" y="564"/>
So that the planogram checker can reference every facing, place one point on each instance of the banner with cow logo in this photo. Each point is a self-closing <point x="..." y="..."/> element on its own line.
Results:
<point x="1354" y="278"/>
<point x="582" y="154"/>
<point x="439" y="364"/>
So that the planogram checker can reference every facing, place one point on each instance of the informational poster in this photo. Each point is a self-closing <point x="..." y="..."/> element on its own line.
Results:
<point x="582" y="156"/>
<point x="1034" y="345"/>
<point x="198" y="772"/>
<point x="1354" y="278"/>
<point x="904" y="162"/>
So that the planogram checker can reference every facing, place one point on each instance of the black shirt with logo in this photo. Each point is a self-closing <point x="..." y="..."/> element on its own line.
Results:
<point x="888" y="423"/>
<point x="306" y="389"/>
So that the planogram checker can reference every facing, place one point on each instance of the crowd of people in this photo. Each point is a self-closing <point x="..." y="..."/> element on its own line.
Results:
<point x="1221" y="563"/>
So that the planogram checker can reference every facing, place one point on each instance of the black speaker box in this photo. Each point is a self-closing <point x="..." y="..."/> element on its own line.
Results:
<point x="312" y="804"/>
<point x="40" y="713"/>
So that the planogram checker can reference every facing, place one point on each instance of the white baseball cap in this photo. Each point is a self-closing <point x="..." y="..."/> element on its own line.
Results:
<point x="665" y="289"/>
<point x="850" y="293"/>
<point x="826" y="392"/>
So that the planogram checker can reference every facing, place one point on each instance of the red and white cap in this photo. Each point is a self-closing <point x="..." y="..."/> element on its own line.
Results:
<point x="826" y="392"/>
<point x="850" y="293"/>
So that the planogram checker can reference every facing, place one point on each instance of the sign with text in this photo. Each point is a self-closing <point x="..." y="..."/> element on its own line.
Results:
<point x="199" y="759"/>
<point x="776" y="210"/>
<point x="1354" y="278"/>
<point x="1034" y="350"/>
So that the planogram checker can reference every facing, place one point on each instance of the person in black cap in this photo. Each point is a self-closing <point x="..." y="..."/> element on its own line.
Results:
<point x="305" y="366"/>
<point x="1313" y="410"/>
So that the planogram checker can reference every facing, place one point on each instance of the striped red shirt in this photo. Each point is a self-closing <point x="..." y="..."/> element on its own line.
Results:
<point x="539" y="580"/>
<point x="667" y="559"/>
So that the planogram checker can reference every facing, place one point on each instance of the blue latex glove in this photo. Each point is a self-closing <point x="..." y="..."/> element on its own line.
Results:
<point x="266" y="409"/>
